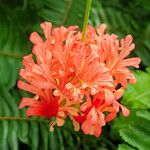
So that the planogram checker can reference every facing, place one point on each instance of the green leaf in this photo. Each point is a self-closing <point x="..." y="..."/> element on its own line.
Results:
<point x="144" y="114"/>
<point x="3" y="136"/>
<point x="34" y="136"/>
<point x="44" y="136"/>
<point x="52" y="140"/>
<point x="64" y="12"/>
<point x="125" y="147"/>
<point x="137" y="96"/>
<point x="60" y="139"/>
<point x="12" y="136"/>
<point x="10" y="46"/>
<point x="23" y="131"/>
<point x="11" y="102"/>
<point x="134" y="136"/>
<point x="133" y="129"/>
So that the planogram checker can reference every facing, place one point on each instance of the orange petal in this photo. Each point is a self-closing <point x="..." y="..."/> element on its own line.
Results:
<point x="130" y="62"/>
<point x="46" y="26"/>
<point x="110" y="116"/>
<point x="97" y="130"/>
<point x="86" y="127"/>
<point x="125" y="111"/>
<point x="35" y="38"/>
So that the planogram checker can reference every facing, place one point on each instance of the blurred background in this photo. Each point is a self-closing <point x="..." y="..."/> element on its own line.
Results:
<point x="18" y="18"/>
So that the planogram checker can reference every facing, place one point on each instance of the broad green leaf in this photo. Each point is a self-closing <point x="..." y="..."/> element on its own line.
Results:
<point x="137" y="96"/>
<point x="125" y="147"/>
<point x="144" y="114"/>
<point x="64" y="12"/>
<point x="136" y="137"/>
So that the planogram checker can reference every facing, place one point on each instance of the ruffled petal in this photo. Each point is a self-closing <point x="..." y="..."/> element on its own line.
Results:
<point x="35" y="38"/>
<point x="131" y="62"/>
<point x="110" y="116"/>
<point x="125" y="111"/>
<point x="47" y="26"/>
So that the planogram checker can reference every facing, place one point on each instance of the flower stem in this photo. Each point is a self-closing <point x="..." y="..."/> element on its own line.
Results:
<point x="11" y="118"/>
<point x="86" y="18"/>
<point x="12" y="55"/>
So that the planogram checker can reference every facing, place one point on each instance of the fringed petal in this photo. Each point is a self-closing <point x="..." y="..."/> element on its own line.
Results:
<point x="35" y="38"/>
<point x="47" y="26"/>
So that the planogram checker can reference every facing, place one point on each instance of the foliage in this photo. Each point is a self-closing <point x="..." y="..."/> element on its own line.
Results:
<point x="134" y="130"/>
<point x="17" y="20"/>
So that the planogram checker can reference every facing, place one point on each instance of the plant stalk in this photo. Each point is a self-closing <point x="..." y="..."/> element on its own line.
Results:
<point x="86" y="18"/>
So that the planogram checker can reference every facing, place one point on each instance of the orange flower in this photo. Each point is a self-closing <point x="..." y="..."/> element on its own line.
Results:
<point x="113" y="52"/>
<point x="77" y="79"/>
